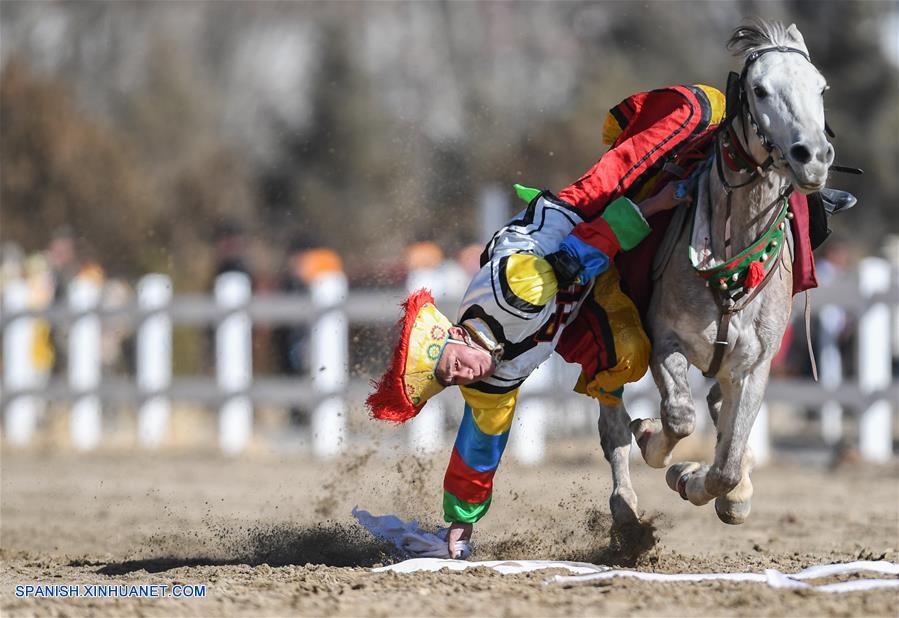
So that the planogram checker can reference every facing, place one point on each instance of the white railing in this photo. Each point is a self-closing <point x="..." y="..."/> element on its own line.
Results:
<point x="870" y="294"/>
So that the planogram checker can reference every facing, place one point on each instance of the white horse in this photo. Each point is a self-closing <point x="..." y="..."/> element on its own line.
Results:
<point x="778" y="124"/>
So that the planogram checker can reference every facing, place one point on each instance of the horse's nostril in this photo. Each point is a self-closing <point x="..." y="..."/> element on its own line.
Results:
<point x="800" y="153"/>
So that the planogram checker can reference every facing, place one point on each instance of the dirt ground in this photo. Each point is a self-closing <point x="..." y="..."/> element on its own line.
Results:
<point x="273" y="536"/>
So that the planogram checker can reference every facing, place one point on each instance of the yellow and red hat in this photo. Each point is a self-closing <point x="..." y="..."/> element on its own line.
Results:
<point x="409" y="382"/>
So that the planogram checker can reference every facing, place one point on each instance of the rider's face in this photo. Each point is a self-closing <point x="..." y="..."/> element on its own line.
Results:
<point x="463" y="363"/>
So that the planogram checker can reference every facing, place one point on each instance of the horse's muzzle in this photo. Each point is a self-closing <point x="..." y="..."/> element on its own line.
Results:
<point x="809" y="163"/>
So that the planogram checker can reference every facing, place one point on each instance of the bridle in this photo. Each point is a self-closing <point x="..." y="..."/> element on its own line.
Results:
<point x="732" y="300"/>
<point x="738" y="107"/>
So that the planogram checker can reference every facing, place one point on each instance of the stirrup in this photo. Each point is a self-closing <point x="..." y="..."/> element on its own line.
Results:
<point x="837" y="201"/>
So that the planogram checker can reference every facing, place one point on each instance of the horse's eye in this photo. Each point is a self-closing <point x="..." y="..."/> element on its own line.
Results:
<point x="760" y="92"/>
<point x="824" y="89"/>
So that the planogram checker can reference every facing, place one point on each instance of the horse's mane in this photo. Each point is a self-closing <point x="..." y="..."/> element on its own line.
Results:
<point x="756" y="33"/>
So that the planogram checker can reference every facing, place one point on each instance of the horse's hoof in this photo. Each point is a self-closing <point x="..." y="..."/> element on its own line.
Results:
<point x="677" y="476"/>
<point x="733" y="513"/>
<point x="623" y="504"/>
<point x="650" y="437"/>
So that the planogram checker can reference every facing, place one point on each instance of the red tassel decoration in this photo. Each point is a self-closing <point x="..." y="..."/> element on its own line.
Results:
<point x="390" y="402"/>
<point x="754" y="276"/>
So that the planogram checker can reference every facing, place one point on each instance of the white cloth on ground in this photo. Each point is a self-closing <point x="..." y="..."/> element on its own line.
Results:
<point x="586" y="573"/>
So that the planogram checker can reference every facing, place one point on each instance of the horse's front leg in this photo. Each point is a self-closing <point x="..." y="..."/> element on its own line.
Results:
<point x="727" y="479"/>
<point x="615" y="438"/>
<point x="657" y="438"/>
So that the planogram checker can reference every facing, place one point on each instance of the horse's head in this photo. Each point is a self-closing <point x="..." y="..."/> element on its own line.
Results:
<point x="783" y="103"/>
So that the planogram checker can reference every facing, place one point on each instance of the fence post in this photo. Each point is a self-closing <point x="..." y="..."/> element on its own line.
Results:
<point x="831" y="321"/>
<point x="234" y="361"/>
<point x="154" y="359"/>
<point x="874" y="362"/>
<point x="759" y="438"/>
<point x="529" y="445"/>
<point x="330" y="366"/>
<point x="19" y="370"/>
<point x="85" y="365"/>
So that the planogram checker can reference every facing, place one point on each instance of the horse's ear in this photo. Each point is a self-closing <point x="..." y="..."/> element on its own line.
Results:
<point x="796" y="36"/>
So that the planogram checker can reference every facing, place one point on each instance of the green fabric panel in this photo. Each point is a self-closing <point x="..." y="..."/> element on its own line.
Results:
<point x="526" y="193"/>
<point x="457" y="510"/>
<point x="739" y="264"/>
<point x="626" y="221"/>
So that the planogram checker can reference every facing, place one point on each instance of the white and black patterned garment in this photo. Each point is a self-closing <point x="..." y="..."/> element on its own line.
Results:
<point x="490" y="310"/>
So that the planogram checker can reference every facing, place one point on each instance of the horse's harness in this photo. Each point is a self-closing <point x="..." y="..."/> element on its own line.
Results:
<point x="747" y="274"/>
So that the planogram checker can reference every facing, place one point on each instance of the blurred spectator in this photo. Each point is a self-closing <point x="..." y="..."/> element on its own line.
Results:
<point x="12" y="262"/>
<point x="891" y="252"/>
<point x="63" y="260"/>
<point x="428" y="268"/>
<point x="40" y="292"/>
<point x="835" y="259"/>
<point x="316" y="263"/>
<point x="291" y="341"/>
<point x="469" y="258"/>
<point x="118" y="344"/>
<point x="230" y="250"/>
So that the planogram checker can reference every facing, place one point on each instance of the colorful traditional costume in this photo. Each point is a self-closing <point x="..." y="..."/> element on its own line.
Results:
<point x="514" y="309"/>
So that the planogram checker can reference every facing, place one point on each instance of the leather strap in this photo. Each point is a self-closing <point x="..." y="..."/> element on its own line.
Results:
<point x="728" y="238"/>
<point x="808" y="335"/>
<point x="720" y="345"/>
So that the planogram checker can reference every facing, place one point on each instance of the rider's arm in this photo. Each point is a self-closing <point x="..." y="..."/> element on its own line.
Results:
<point x="666" y="118"/>
<point x="621" y="227"/>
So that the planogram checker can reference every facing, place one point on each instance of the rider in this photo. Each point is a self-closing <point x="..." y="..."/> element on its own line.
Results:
<point x="529" y="289"/>
<point x="547" y="282"/>
<point x="539" y="280"/>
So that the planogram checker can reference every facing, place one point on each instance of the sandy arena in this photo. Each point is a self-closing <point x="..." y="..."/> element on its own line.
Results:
<point x="273" y="536"/>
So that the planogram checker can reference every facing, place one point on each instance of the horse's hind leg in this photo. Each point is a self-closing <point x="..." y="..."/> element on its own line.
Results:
<point x="657" y="438"/>
<point x="615" y="437"/>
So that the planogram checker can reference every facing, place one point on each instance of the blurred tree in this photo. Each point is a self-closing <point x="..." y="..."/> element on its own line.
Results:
<point x="60" y="168"/>
<point x="371" y="125"/>
<point x="198" y="178"/>
<point x="346" y="177"/>
<point x="846" y="42"/>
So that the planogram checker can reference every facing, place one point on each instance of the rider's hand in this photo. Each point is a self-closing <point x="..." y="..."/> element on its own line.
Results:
<point x="673" y="194"/>
<point x="458" y="531"/>
<point x="565" y="266"/>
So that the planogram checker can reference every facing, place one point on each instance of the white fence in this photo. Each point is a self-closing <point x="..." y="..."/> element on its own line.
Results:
<point x="870" y="294"/>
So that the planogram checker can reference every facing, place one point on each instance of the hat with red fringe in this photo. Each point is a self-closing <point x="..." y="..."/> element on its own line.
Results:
<point x="409" y="382"/>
